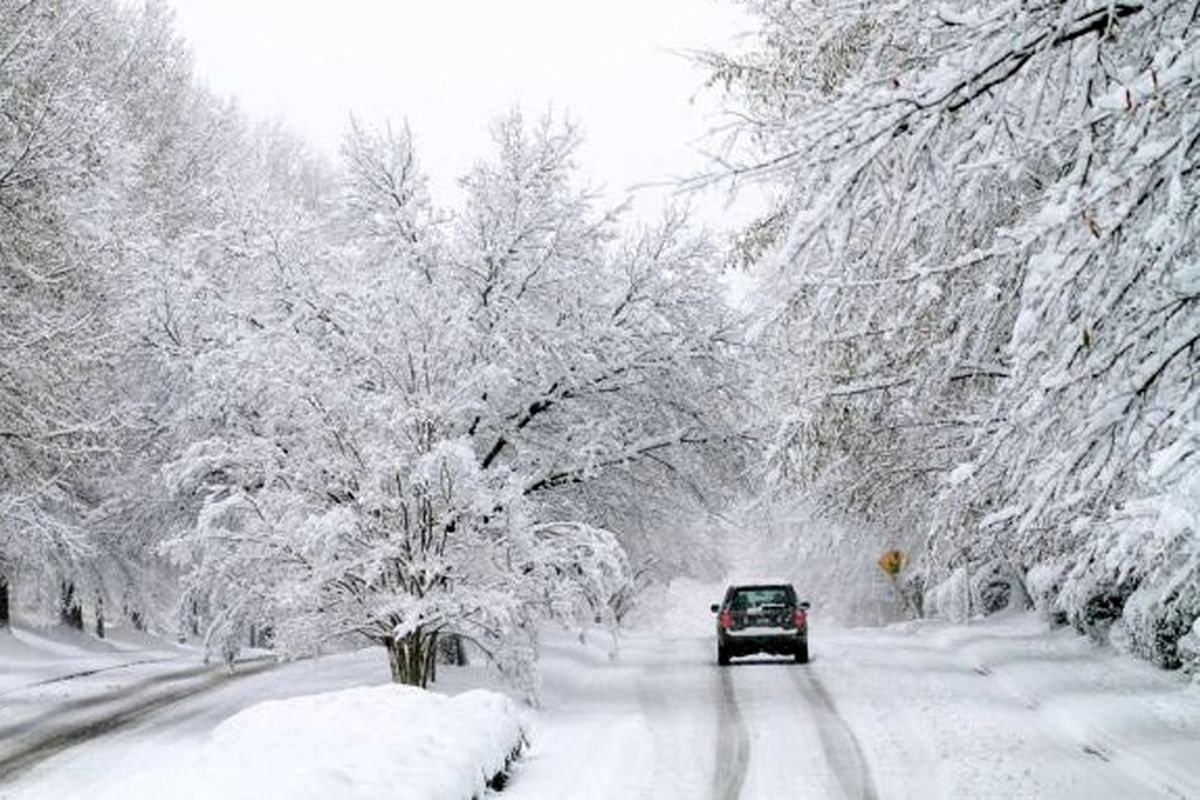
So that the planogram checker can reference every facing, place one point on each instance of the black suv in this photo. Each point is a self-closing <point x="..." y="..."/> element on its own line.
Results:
<point x="761" y="618"/>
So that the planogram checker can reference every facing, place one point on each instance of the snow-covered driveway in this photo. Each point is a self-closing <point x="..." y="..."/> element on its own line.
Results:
<point x="1002" y="709"/>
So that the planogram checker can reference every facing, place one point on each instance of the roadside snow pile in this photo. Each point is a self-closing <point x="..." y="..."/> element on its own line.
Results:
<point x="372" y="742"/>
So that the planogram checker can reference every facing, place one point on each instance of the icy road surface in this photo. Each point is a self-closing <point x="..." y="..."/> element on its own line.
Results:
<point x="998" y="709"/>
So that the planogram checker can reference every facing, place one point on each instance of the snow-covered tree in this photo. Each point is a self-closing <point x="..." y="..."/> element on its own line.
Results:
<point x="63" y="76"/>
<point x="132" y="201"/>
<point x="404" y="422"/>
<point x="980" y="276"/>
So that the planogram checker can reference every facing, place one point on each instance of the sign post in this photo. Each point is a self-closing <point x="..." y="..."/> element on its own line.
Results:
<point x="893" y="563"/>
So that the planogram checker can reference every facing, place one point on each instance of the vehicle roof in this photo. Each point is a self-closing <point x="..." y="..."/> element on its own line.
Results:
<point x="763" y="585"/>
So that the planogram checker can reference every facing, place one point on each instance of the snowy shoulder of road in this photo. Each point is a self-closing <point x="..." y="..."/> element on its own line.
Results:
<point x="1008" y="707"/>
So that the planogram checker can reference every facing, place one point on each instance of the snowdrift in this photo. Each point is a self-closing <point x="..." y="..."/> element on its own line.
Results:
<point x="377" y="742"/>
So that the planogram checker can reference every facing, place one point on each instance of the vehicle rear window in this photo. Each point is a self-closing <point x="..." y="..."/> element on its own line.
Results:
<point x="756" y="596"/>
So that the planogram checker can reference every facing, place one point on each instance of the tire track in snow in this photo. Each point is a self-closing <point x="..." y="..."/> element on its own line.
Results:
<point x="55" y="741"/>
<point x="86" y="674"/>
<point x="100" y="699"/>
<point x="842" y="749"/>
<point x="678" y="694"/>
<point x="733" y="743"/>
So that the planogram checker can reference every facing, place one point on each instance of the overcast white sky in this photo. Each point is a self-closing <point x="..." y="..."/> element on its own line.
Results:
<point x="450" y="66"/>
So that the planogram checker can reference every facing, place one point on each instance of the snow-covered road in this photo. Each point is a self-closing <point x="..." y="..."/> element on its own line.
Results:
<point x="1004" y="709"/>
<point x="664" y="721"/>
<point x="999" y="709"/>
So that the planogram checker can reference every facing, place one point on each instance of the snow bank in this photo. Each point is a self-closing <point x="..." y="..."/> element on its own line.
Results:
<point x="1010" y="707"/>
<point x="377" y="742"/>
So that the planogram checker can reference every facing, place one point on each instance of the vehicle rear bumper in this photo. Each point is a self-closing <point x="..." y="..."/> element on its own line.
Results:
<point x="782" y="643"/>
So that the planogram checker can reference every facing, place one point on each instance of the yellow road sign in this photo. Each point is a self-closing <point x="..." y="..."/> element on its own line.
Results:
<point x="892" y="562"/>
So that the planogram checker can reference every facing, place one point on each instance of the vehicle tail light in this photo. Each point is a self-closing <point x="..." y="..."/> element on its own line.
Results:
<point x="725" y="620"/>
<point x="800" y="618"/>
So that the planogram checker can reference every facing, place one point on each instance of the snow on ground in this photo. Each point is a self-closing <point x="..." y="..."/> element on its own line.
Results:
<point x="612" y="728"/>
<point x="39" y="657"/>
<point x="1008" y="708"/>
<point x="137" y="722"/>
<point x="55" y="678"/>
<point x="1000" y="708"/>
<point x="371" y="742"/>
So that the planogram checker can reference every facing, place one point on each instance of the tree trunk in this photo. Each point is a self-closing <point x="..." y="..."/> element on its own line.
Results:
<point x="450" y="650"/>
<point x="70" y="611"/>
<point x="99" y="615"/>
<point x="411" y="658"/>
<point x="4" y="613"/>
<point x="260" y="636"/>
<point x="431" y="650"/>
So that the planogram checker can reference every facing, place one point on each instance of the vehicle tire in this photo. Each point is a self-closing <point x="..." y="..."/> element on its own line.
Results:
<point x="722" y="656"/>
<point x="802" y="653"/>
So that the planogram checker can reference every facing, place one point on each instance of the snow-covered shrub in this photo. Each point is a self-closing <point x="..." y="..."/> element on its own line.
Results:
<point x="968" y="592"/>
<point x="1166" y="604"/>
<point x="995" y="588"/>
<point x="1157" y="616"/>
<point x="1044" y="581"/>
<point x="1142" y="568"/>
<point x="1189" y="648"/>
<point x="912" y="590"/>
<point x="950" y="598"/>
<point x="1092" y="601"/>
